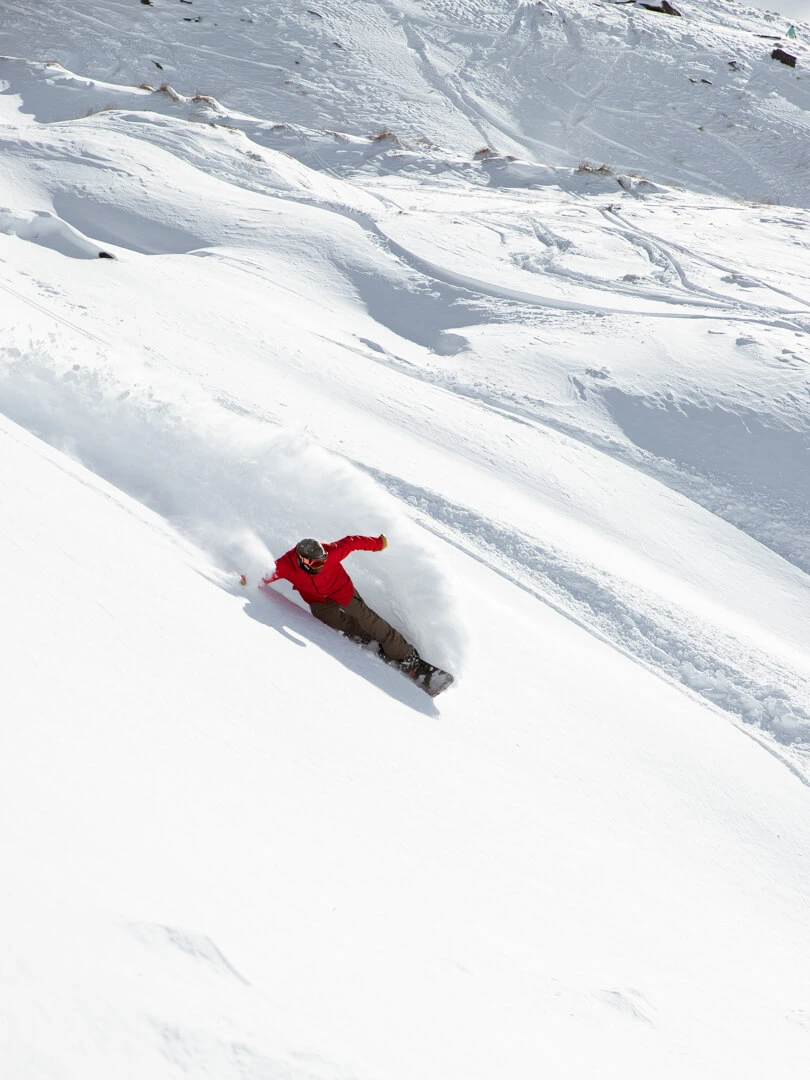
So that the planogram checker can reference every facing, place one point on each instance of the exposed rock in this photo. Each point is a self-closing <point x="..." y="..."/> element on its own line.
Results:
<point x="784" y="57"/>
<point x="664" y="7"/>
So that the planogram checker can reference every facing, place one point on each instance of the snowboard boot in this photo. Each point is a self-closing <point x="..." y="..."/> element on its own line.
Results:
<point x="426" y="676"/>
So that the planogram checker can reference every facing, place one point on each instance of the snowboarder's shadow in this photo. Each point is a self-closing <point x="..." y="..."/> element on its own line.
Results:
<point x="283" y="615"/>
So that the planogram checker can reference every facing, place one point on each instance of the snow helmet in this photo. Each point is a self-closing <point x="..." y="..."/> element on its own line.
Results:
<point x="314" y="552"/>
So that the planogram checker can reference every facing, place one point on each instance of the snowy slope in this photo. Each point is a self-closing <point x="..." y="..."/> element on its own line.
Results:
<point x="222" y="866"/>
<point x="694" y="100"/>
<point x="576" y="400"/>
<point x="545" y="313"/>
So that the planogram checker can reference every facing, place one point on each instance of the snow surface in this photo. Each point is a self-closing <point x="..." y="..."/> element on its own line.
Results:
<point x="525" y="287"/>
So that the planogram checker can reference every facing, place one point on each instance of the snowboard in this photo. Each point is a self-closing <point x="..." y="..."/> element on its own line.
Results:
<point x="433" y="680"/>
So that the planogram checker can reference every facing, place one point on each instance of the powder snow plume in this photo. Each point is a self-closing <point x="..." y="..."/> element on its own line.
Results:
<point x="242" y="490"/>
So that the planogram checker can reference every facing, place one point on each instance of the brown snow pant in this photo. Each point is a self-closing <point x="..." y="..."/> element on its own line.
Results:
<point x="359" y="622"/>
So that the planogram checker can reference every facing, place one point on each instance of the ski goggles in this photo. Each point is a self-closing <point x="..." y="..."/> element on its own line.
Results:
<point x="313" y="564"/>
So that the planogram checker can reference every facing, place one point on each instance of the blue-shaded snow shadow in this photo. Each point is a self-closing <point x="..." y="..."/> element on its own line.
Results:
<point x="273" y="609"/>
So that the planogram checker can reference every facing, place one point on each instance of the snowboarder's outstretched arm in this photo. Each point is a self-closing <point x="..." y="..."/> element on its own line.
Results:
<point x="348" y="544"/>
<point x="285" y="566"/>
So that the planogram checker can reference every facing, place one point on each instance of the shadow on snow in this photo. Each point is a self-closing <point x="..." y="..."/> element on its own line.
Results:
<point x="275" y="610"/>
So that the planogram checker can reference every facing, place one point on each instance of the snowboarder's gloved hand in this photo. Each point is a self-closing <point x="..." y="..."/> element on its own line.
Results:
<point x="384" y="539"/>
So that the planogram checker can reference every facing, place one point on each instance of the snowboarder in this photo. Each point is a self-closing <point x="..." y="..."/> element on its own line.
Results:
<point x="315" y="570"/>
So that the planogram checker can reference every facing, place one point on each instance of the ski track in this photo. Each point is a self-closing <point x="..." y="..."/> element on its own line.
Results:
<point x="655" y="244"/>
<point x="760" y="696"/>
<point x="417" y="44"/>
<point x="489" y="290"/>
<point x="764" y="699"/>
<point x="789" y="541"/>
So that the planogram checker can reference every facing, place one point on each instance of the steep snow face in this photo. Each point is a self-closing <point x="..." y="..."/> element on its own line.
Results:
<point x="612" y="336"/>
<point x="574" y="396"/>
<point x="239" y="846"/>
<point x="694" y="99"/>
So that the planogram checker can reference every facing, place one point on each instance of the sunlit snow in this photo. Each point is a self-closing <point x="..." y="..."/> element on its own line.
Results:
<point x="525" y="287"/>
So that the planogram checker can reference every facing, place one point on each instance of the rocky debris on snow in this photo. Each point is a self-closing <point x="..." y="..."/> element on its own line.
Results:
<point x="639" y="185"/>
<point x="665" y="8"/>
<point x="784" y="57"/>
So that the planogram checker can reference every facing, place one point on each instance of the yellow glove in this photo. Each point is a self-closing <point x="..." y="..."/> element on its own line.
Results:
<point x="384" y="539"/>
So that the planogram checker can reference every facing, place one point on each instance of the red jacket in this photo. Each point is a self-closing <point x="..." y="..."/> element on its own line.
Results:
<point x="332" y="583"/>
